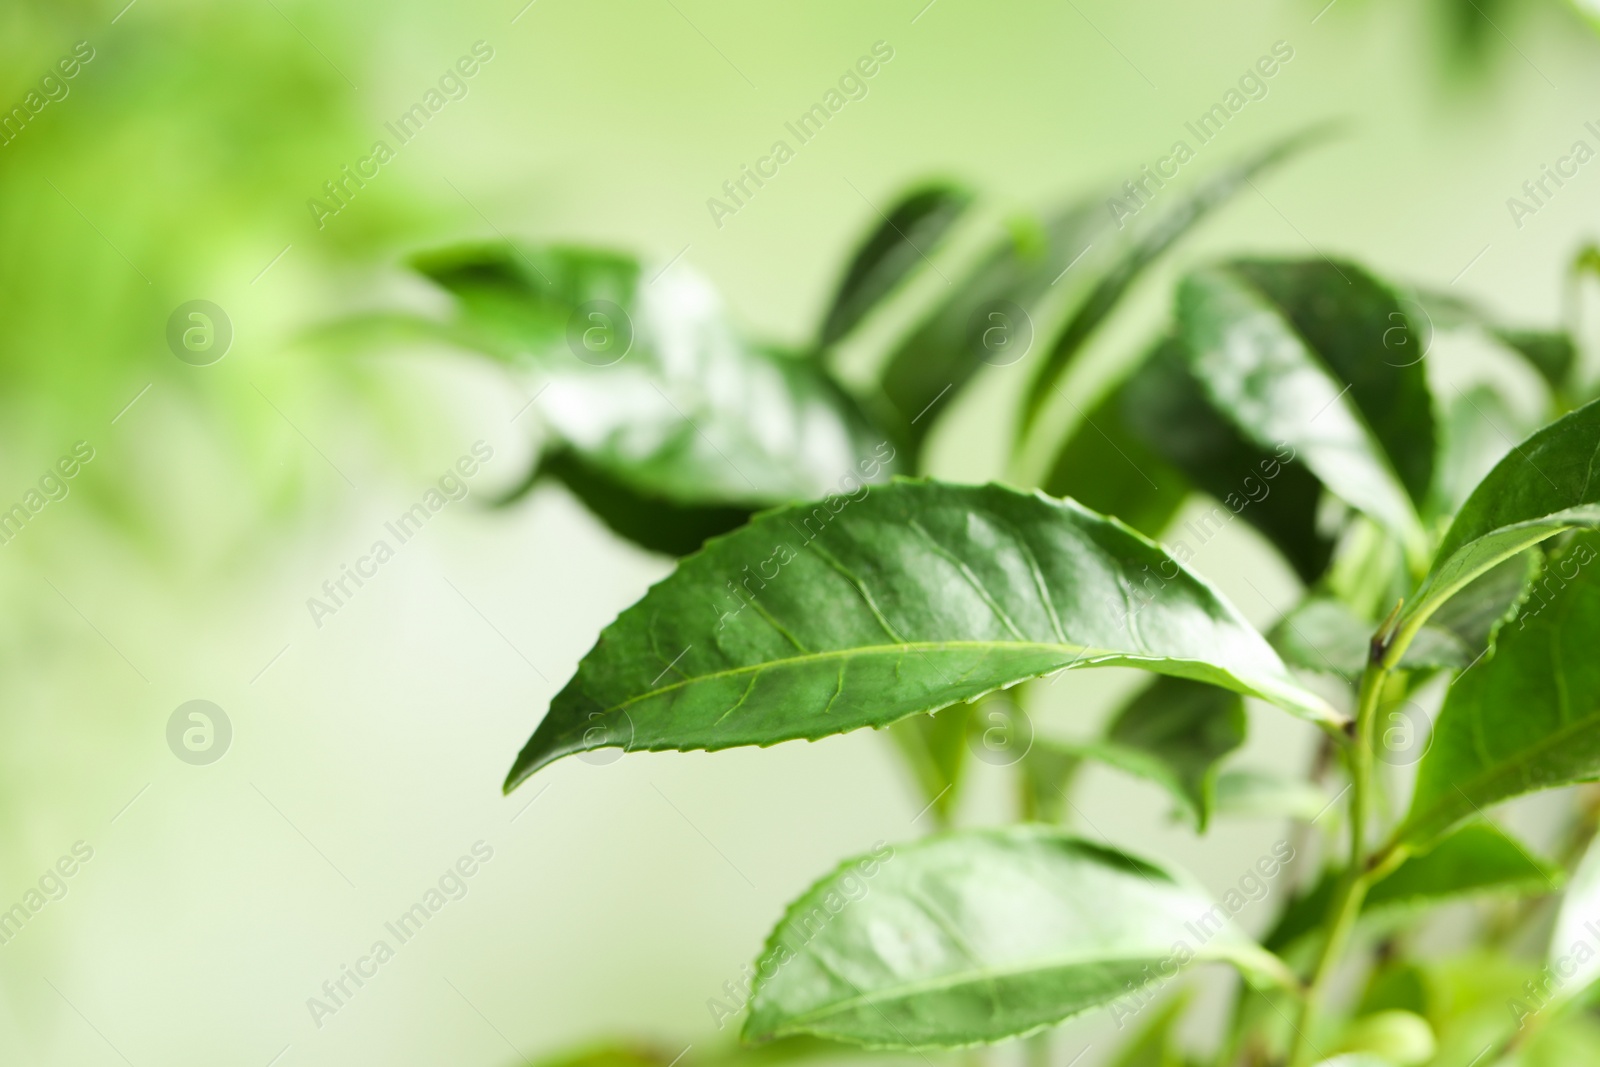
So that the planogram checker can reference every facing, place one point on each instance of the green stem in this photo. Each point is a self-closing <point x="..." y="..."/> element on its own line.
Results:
<point x="1353" y="884"/>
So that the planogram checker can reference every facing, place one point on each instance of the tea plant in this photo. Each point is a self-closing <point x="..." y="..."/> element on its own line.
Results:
<point x="824" y="586"/>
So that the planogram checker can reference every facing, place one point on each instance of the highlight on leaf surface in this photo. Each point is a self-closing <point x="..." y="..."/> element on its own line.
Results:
<point x="978" y="935"/>
<point x="857" y="611"/>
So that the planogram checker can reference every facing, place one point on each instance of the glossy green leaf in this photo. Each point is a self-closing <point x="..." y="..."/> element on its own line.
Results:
<point x="1294" y="353"/>
<point x="1528" y="716"/>
<point x="977" y="325"/>
<point x="976" y="936"/>
<point x="1109" y="290"/>
<point x="1543" y="486"/>
<point x="648" y="383"/>
<point x="1174" y="732"/>
<point x="636" y="515"/>
<point x="822" y="618"/>
<point x="1270" y="488"/>
<point x="897" y="248"/>
<point x="1476" y="859"/>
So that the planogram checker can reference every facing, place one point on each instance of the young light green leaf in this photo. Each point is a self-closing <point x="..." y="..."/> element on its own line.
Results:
<point x="1478" y="858"/>
<point x="897" y="248"/>
<point x="1294" y="353"/>
<point x="1543" y="486"/>
<point x="1156" y="1044"/>
<point x="1527" y="717"/>
<point x="858" y="611"/>
<point x="976" y="936"/>
<point x="1402" y="1038"/>
<point x="1109" y="290"/>
<point x="1574" y="952"/>
<point x="1175" y="732"/>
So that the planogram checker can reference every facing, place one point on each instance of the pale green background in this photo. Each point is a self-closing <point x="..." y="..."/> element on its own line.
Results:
<point x="179" y="566"/>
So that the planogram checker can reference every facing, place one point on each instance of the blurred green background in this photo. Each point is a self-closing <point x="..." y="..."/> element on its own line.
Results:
<point x="367" y="753"/>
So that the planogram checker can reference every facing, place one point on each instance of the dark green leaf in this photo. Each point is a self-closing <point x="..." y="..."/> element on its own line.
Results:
<point x="897" y="248"/>
<point x="929" y="368"/>
<point x="976" y="936"/>
<point x="1528" y="716"/>
<point x="1174" y="732"/>
<point x="1294" y="354"/>
<point x="818" y="619"/>
<point x="1165" y="407"/>
<point x="1140" y="254"/>
<point x="1476" y="859"/>
<point x="1543" y="486"/>
<point x="653" y="523"/>
<point x="1106" y="467"/>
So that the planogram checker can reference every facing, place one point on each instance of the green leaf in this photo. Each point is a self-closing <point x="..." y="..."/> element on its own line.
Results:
<point x="1243" y="792"/>
<point x="929" y="368"/>
<point x="651" y="388"/>
<point x="935" y="748"/>
<point x="894" y="250"/>
<point x="1528" y="716"/>
<point x="1108" y="468"/>
<point x="1574" y="954"/>
<point x="1476" y="859"/>
<point x="1174" y="732"/>
<point x="1399" y="1037"/>
<point x="1294" y="353"/>
<point x="649" y="521"/>
<point x="1154" y="1046"/>
<point x="1109" y="290"/>
<point x="1164" y="406"/>
<point x="1048" y="769"/>
<point x="821" y="618"/>
<point x="976" y="936"/>
<point x="1543" y="486"/>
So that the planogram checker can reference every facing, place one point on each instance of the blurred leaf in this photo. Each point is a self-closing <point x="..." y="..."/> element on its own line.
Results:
<point x="650" y="522"/>
<point x="1244" y="792"/>
<point x="1527" y="717"/>
<point x="892" y="252"/>
<point x="1294" y="354"/>
<point x="935" y="747"/>
<point x="1174" y="732"/>
<point x="1114" y="283"/>
<point x="1397" y="985"/>
<point x="929" y="368"/>
<point x="1477" y="858"/>
<point x="1402" y="1038"/>
<point x="911" y="598"/>
<point x="1154" y="1046"/>
<point x="1047" y="773"/>
<point x="1165" y="407"/>
<point x="996" y="933"/>
<point x="1109" y="469"/>
<point x="1573" y="940"/>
